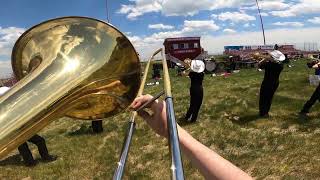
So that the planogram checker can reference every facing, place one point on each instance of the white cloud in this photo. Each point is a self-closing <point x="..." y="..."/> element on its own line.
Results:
<point x="191" y="7"/>
<point x="281" y="8"/>
<point x="193" y="26"/>
<point x="8" y="36"/>
<point x="235" y="17"/>
<point x="302" y="7"/>
<point x="219" y="4"/>
<point x="229" y="31"/>
<point x="273" y="5"/>
<point x="177" y="7"/>
<point x="214" y="16"/>
<point x="292" y="24"/>
<point x="160" y="26"/>
<point x="246" y="25"/>
<point x="282" y="13"/>
<point x="189" y="28"/>
<point x="5" y="69"/>
<point x="185" y="8"/>
<point x="315" y="20"/>
<point x="264" y="14"/>
<point x="269" y="5"/>
<point x="134" y="39"/>
<point x="141" y="7"/>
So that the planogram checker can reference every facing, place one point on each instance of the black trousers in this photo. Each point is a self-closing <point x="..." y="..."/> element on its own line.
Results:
<point x="97" y="126"/>
<point x="196" y="97"/>
<point x="267" y="91"/>
<point x="315" y="96"/>
<point x="26" y="153"/>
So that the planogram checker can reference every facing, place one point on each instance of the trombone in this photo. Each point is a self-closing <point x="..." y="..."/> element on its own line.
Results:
<point x="176" y="162"/>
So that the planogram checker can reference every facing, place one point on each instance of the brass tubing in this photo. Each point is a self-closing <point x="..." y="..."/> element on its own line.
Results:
<point x="176" y="162"/>
<point x="118" y="173"/>
<point x="143" y="81"/>
<point x="166" y="77"/>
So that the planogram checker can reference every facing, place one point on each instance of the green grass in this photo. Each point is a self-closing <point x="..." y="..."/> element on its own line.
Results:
<point x="279" y="147"/>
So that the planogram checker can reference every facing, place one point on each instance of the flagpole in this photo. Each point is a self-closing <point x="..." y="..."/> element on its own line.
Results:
<point x="108" y="20"/>
<point x="264" y="37"/>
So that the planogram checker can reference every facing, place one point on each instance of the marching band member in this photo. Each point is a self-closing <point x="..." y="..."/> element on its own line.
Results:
<point x="196" y="75"/>
<point x="315" y="96"/>
<point x="270" y="83"/>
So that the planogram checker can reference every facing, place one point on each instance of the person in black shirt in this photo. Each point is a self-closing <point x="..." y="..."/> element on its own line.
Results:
<point x="315" y="96"/>
<point x="196" y="90"/>
<point x="156" y="71"/>
<point x="273" y="67"/>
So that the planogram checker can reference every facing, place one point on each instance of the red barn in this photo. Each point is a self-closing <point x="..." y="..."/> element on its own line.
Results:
<point x="178" y="49"/>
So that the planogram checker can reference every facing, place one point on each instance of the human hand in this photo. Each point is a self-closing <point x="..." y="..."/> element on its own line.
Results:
<point x="158" y="119"/>
<point x="316" y="66"/>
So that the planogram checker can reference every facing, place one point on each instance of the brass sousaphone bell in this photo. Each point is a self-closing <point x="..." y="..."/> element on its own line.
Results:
<point x="78" y="67"/>
<point x="87" y="69"/>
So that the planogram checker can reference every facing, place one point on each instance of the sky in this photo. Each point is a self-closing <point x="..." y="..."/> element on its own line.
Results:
<point x="148" y="22"/>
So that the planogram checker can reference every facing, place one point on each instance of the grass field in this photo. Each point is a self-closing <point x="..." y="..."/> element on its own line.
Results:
<point x="278" y="147"/>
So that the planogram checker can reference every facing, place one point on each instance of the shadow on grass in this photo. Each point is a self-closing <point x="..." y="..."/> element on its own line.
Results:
<point x="301" y="119"/>
<point x="83" y="130"/>
<point x="311" y="122"/>
<point x="182" y="122"/>
<point x="305" y="123"/>
<point x="12" y="160"/>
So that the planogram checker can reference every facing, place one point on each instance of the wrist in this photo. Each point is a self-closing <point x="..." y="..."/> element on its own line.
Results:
<point x="182" y="134"/>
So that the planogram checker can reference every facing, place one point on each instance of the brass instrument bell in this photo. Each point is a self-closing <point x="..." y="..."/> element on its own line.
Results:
<point x="75" y="66"/>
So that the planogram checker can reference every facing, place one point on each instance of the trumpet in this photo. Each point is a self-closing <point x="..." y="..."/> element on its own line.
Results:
<point x="260" y="57"/>
<point x="87" y="70"/>
<point x="274" y="56"/>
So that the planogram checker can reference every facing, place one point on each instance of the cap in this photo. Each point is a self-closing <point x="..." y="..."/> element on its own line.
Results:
<point x="197" y="66"/>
